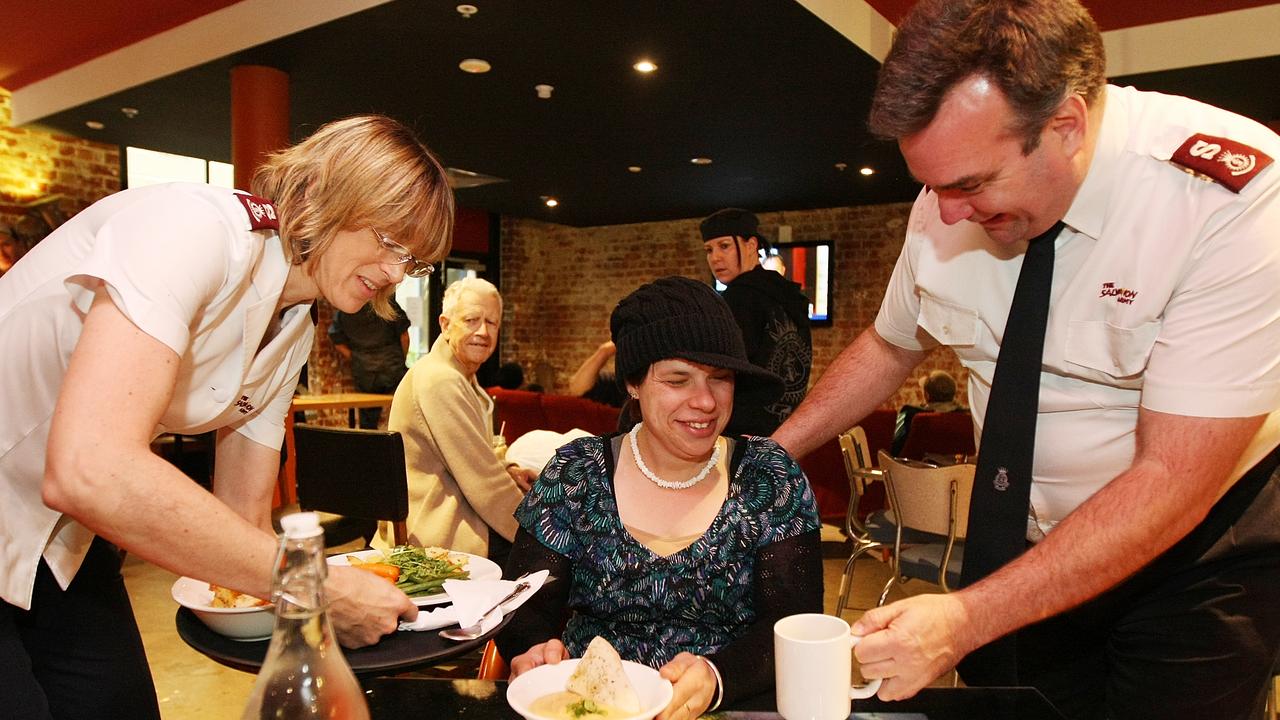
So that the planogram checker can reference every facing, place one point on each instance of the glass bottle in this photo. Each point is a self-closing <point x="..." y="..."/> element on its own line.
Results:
<point x="304" y="674"/>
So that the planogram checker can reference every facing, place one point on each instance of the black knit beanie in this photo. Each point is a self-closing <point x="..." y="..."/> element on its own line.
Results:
<point x="733" y="222"/>
<point x="675" y="317"/>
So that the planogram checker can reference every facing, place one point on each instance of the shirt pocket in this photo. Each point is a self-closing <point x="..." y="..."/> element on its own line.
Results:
<point x="947" y="322"/>
<point x="1119" y="352"/>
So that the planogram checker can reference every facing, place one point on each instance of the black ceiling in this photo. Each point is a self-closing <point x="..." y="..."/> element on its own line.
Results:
<point x="770" y="92"/>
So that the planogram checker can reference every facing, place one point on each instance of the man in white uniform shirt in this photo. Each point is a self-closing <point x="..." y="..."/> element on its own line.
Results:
<point x="1152" y="577"/>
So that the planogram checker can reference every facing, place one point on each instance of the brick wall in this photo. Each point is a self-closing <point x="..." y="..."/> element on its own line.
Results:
<point x="35" y="164"/>
<point x="560" y="283"/>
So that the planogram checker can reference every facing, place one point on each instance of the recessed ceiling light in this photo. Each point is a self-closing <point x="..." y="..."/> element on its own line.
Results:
<point x="93" y="125"/>
<point x="634" y="168"/>
<point x="841" y="167"/>
<point x="543" y="91"/>
<point x="475" y="66"/>
<point x="645" y="66"/>
<point x="129" y="112"/>
<point x="867" y="171"/>
<point x="550" y="201"/>
<point x="700" y="161"/>
<point x="466" y="11"/>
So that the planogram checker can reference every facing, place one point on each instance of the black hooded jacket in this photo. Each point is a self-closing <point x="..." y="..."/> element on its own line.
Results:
<point x="774" y="317"/>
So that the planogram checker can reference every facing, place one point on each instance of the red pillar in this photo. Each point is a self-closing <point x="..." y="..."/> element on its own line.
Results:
<point x="259" y="117"/>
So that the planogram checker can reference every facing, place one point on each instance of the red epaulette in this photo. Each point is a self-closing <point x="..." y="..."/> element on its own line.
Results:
<point x="1223" y="160"/>
<point x="262" y="214"/>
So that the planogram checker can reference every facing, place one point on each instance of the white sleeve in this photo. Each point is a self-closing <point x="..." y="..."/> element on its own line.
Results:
<point x="162" y="263"/>
<point x="1218" y="351"/>
<point x="899" y="316"/>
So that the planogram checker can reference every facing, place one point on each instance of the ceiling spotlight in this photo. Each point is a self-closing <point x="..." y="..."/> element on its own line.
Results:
<point x="700" y="160"/>
<point x="867" y="171"/>
<point x="466" y="11"/>
<point x="634" y="168"/>
<point x="841" y="167"/>
<point x="93" y="125"/>
<point x="645" y="66"/>
<point x="550" y="201"/>
<point x="475" y="66"/>
<point x="544" y="91"/>
<point x="129" y="112"/>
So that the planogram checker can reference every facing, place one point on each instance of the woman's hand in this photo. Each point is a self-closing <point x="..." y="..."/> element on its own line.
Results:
<point x="694" y="687"/>
<point x="364" y="607"/>
<point x="550" y="652"/>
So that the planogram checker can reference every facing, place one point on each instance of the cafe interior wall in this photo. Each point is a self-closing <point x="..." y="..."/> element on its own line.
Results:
<point x="36" y="165"/>
<point x="560" y="283"/>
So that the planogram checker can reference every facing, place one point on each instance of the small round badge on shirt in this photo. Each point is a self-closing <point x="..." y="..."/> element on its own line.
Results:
<point x="1001" y="482"/>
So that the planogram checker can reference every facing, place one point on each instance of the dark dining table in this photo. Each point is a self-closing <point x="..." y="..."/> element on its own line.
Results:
<point x="393" y="698"/>
<point x="397" y="652"/>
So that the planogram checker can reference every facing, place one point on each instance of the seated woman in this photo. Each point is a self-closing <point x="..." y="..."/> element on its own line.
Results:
<point x="678" y="545"/>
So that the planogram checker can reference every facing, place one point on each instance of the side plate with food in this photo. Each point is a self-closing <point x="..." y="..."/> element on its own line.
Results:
<point x="421" y="572"/>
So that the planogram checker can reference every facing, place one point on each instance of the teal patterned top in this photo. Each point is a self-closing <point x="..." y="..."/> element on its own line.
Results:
<point x="651" y="607"/>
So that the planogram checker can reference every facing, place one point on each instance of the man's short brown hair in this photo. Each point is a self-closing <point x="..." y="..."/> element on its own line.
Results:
<point x="1036" y="51"/>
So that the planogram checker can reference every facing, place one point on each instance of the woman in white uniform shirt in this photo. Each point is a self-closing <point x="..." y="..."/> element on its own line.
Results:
<point x="182" y="308"/>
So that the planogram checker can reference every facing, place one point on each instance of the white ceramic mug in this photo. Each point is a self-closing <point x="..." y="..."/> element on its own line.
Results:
<point x="813" y="656"/>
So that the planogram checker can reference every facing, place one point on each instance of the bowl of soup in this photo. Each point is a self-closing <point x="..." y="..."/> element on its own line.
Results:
<point x="540" y="694"/>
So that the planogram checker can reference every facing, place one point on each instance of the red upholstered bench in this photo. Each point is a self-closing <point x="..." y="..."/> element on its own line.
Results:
<point x="825" y="469"/>
<point x="519" y="411"/>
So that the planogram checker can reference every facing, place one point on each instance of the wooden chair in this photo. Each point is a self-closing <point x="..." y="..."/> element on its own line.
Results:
<point x="356" y="474"/>
<point x="858" y="468"/>
<point x="932" y="500"/>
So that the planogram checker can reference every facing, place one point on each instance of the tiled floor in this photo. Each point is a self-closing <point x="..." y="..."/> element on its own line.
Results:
<point x="191" y="686"/>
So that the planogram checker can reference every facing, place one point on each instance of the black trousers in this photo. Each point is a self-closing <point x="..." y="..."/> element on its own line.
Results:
<point x="76" y="653"/>
<point x="1195" y="634"/>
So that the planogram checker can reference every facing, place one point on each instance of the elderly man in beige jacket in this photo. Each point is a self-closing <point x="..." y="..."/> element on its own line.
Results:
<point x="462" y="492"/>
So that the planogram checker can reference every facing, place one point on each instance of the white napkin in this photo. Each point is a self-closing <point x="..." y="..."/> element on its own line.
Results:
<point x="471" y="598"/>
<point x="535" y="448"/>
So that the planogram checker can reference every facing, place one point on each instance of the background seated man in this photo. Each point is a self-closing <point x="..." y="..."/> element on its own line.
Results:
<point x="462" y="492"/>
<point x="939" y="390"/>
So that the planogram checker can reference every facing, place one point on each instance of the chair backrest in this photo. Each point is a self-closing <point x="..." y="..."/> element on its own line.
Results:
<point x="878" y="425"/>
<point x="354" y="473"/>
<point x="949" y="433"/>
<point x="856" y="450"/>
<point x="931" y="499"/>
<point x="518" y="412"/>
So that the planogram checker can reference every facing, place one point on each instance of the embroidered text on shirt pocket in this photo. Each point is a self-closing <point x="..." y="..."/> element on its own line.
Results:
<point x="948" y="323"/>
<point x="1117" y="351"/>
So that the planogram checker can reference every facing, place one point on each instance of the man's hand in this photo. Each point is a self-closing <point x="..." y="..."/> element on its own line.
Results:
<point x="911" y="642"/>
<point x="523" y="476"/>
<point x="363" y="607"/>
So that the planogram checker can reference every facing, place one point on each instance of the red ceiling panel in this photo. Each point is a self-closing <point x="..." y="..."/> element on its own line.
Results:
<point x="46" y="37"/>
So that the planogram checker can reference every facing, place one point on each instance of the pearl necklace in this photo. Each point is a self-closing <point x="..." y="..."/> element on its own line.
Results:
<point x="635" y="453"/>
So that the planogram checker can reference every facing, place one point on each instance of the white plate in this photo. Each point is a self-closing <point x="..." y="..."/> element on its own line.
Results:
<point x="654" y="691"/>
<point x="481" y="568"/>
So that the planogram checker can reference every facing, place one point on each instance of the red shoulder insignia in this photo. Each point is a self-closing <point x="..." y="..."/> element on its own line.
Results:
<point x="1223" y="160"/>
<point x="262" y="214"/>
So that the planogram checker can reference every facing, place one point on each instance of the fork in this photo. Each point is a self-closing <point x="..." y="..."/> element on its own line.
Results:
<point x="471" y="632"/>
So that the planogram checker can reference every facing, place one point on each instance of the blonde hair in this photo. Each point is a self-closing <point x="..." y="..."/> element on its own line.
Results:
<point x="362" y="171"/>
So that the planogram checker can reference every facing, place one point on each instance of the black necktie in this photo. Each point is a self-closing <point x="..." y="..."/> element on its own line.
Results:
<point x="1002" y="481"/>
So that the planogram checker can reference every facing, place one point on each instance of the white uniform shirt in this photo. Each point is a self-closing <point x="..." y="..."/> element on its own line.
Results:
<point x="182" y="263"/>
<point x="1166" y="294"/>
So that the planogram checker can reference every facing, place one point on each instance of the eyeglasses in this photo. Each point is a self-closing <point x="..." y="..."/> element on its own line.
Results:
<point x="398" y="254"/>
